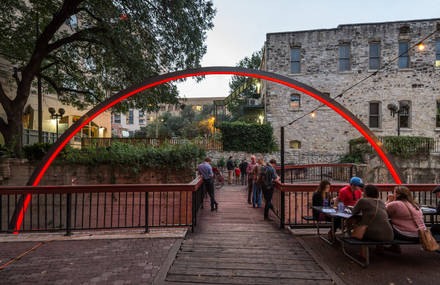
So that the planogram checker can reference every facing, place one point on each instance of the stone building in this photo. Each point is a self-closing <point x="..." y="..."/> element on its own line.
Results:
<point x="332" y="60"/>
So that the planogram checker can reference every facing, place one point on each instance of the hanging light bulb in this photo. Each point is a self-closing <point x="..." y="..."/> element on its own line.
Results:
<point x="421" y="46"/>
<point x="313" y="114"/>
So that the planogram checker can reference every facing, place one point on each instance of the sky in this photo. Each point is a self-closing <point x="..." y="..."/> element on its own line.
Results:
<point x="240" y="28"/>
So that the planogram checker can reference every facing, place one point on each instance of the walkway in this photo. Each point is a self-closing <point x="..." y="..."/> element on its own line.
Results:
<point x="236" y="246"/>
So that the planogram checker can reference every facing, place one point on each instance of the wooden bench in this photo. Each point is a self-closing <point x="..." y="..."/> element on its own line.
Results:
<point x="365" y="244"/>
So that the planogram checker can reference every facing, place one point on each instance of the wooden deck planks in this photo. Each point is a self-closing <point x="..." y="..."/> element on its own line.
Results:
<point x="236" y="246"/>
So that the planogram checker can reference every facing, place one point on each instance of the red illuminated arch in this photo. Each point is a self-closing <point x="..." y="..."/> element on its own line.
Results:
<point x="154" y="81"/>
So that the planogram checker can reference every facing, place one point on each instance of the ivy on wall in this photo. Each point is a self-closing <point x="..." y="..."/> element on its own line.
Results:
<point x="249" y="137"/>
<point x="399" y="146"/>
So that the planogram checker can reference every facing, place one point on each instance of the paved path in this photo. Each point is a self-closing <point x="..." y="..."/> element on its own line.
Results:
<point x="236" y="246"/>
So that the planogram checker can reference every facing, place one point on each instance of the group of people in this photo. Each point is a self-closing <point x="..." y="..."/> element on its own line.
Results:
<point x="261" y="179"/>
<point x="400" y="217"/>
<point x="239" y="171"/>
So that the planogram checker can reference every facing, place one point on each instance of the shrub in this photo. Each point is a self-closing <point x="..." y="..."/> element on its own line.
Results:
<point x="239" y="136"/>
<point x="36" y="151"/>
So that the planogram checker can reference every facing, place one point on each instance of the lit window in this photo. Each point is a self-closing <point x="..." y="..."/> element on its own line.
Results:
<point x="198" y="108"/>
<point x="374" y="56"/>
<point x="374" y="115"/>
<point x="295" y="144"/>
<point x="403" y="55"/>
<point x="405" y="114"/>
<point x="344" y="57"/>
<point x="295" y="60"/>
<point x="295" y="101"/>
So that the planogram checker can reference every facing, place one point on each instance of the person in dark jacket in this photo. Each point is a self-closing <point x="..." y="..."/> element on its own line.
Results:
<point x="321" y="195"/>
<point x="243" y="166"/>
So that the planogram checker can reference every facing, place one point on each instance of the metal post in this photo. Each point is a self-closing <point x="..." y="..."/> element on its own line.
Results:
<point x="147" y="230"/>
<point x="69" y="214"/>
<point x="282" y="216"/>
<point x="398" y="123"/>
<point x="56" y="119"/>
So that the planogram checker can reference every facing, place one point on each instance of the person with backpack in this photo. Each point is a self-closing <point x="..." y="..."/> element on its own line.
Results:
<point x="268" y="177"/>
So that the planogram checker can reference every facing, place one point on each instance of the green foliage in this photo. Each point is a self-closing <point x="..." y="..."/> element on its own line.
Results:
<point x="399" y="146"/>
<point x="239" y="136"/>
<point x="87" y="50"/>
<point x="125" y="155"/>
<point x="136" y="156"/>
<point x="221" y="163"/>
<point x="36" y="151"/>
<point x="254" y="62"/>
<point x="188" y="124"/>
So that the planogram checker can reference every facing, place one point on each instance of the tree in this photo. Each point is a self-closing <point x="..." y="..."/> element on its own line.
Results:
<point x="254" y="62"/>
<point x="107" y="46"/>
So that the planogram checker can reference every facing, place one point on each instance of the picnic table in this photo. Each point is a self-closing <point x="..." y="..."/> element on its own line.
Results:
<point x="346" y="214"/>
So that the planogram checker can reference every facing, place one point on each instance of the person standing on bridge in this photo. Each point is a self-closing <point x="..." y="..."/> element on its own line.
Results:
<point x="243" y="166"/>
<point x="205" y="170"/>
<point x="268" y="178"/>
<point x="251" y="178"/>
<point x="230" y="166"/>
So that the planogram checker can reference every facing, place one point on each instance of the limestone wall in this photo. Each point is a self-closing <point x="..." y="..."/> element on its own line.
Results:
<point x="327" y="131"/>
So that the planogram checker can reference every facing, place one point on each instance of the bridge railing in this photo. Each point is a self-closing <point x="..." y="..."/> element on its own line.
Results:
<point x="318" y="172"/>
<point x="298" y="200"/>
<point x="91" y="207"/>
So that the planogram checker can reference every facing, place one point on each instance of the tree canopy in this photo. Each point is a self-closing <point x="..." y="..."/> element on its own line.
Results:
<point x="86" y="50"/>
<point x="237" y="81"/>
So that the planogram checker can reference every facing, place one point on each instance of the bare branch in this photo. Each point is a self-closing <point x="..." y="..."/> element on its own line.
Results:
<point x="49" y="65"/>
<point x="78" y="36"/>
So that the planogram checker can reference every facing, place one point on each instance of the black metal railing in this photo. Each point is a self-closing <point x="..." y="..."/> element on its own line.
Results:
<point x="298" y="200"/>
<point x="317" y="172"/>
<point x="86" y="207"/>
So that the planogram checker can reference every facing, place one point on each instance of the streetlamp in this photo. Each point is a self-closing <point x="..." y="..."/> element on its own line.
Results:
<point x="56" y="116"/>
<point x="394" y="109"/>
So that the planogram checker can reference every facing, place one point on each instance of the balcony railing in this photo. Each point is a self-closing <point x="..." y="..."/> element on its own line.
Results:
<point x="86" y="207"/>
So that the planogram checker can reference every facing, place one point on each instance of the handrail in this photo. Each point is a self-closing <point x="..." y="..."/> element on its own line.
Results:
<point x="101" y="188"/>
<point x="285" y="187"/>
<point x="316" y="165"/>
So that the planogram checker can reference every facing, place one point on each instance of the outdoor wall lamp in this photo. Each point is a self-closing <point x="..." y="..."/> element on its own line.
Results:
<point x="394" y="109"/>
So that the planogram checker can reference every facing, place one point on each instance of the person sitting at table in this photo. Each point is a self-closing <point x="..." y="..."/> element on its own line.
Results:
<point x="321" y="195"/>
<point x="351" y="193"/>
<point x="374" y="215"/>
<point x="435" y="229"/>
<point x="405" y="214"/>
